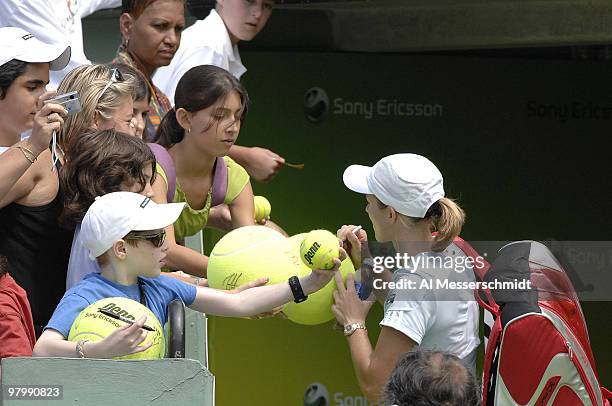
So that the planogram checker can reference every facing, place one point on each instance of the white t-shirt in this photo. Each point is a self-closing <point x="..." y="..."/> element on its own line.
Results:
<point x="79" y="264"/>
<point x="2" y="149"/>
<point x="54" y="22"/>
<point x="206" y="42"/>
<point x="433" y="318"/>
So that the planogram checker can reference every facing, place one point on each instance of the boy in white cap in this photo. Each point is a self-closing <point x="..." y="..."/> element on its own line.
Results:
<point x="30" y="202"/>
<point x="406" y="206"/>
<point x="125" y="232"/>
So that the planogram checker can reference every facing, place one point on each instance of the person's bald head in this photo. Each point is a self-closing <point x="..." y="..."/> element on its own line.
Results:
<point x="431" y="378"/>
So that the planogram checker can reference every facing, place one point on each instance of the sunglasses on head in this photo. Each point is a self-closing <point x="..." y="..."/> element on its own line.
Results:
<point x="116" y="76"/>
<point x="156" y="239"/>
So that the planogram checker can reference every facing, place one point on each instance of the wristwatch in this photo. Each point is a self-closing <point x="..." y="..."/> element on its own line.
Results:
<point x="296" y="289"/>
<point x="350" y="328"/>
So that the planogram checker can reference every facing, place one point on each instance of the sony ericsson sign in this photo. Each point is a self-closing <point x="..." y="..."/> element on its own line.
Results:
<point x="316" y="394"/>
<point x="317" y="105"/>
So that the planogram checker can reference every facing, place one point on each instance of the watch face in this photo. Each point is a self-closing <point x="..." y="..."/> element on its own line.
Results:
<point x="349" y="329"/>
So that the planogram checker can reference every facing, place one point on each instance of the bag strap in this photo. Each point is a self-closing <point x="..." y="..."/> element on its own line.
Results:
<point x="164" y="159"/>
<point x="219" y="189"/>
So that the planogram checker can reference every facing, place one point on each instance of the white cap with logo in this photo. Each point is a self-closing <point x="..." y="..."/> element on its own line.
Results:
<point x="112" y="216"/>
<point x="409" y="183"/>
<point x="16" y="43"/>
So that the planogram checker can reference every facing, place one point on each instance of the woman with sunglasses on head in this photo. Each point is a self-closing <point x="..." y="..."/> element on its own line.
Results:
<point x="151" y="33"/>
<point x="106" y="100"/>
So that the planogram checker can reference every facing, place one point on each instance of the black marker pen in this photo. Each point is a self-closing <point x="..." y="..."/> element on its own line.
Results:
<point x="121" y="318"/>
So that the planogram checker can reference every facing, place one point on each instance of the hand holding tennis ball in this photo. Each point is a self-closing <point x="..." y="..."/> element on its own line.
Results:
<point x="263" y="208"/>
<point x="319" y="249"/>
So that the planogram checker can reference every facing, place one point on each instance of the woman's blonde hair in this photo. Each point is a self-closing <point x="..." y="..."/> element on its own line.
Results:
<point x="447" y="220"/>
<point x="90" y="81"/>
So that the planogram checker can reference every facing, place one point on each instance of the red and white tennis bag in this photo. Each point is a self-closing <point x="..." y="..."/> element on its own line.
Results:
<point x="538" y="350"/>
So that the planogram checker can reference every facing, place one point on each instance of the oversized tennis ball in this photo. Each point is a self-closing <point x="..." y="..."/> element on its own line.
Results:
<point x="319" y="249"/>
<point x="246" y="254"/>
<point x="263" y="208"/>
<point x="252" y="252"/>
<point x="93" y="325"/>
<point x="317" y="308"/>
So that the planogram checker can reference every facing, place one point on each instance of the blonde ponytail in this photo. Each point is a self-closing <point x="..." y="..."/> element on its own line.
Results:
<point x="447" y="223"/>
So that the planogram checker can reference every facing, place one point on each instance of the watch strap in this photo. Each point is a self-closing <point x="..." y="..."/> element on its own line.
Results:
<point x="296" y="289"/>
<point x="351" y="328"/>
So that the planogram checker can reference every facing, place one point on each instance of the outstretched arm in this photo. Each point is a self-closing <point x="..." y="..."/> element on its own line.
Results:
<point x="259" y="299"/>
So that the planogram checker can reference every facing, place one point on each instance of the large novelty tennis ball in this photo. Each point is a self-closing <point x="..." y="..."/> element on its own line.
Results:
<point x="319" y="249"/>
<point x="252" y="252"/>
<point x="317" y="308"/>
<point x="262" y="208"/>
<point x="93" y="325"/>
<point x="246" y="254"/>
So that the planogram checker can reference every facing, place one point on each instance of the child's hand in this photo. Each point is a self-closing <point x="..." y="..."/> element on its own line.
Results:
<point x="318" y="278"/>
<point x="123" y="341"/>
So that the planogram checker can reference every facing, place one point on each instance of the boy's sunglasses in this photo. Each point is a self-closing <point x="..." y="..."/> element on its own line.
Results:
<point x="156" y="239"/>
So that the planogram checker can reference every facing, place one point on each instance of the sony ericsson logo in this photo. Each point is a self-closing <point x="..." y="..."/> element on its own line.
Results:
<point x="318" y="104"/>
<point x="309" y="255"/>
<point x="316" y="395"/>
<point x="118" y="311"/>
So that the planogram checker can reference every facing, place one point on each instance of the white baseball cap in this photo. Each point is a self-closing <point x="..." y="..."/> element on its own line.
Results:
<point x="16" y="43"/>
<point x="112" y="216"/>
<point x="409" y="183"/>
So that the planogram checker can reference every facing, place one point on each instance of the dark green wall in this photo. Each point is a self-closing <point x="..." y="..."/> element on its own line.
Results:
<point x="517" y="175"/>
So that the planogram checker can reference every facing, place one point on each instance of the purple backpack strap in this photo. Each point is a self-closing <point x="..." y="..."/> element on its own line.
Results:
<point x="219" y="189"/>
<point x="164" y="159"/>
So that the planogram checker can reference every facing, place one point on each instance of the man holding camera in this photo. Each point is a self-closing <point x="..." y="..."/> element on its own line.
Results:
<point x="30" y="201"/>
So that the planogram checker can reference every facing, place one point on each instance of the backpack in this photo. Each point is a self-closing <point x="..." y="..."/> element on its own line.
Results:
<point x="538" y="350"/>
<point x="219" y="188"/>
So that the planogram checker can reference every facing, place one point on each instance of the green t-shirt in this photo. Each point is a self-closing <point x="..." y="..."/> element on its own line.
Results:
<point x="191" y="221"/>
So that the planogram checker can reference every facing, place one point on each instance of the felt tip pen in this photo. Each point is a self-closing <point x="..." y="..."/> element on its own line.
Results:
<point x="123" y="319"/>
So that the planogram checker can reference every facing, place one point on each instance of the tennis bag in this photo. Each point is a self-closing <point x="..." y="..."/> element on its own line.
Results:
<point x="538" y="350"/>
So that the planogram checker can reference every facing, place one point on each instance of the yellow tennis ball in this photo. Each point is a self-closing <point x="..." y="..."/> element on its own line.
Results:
<point x="93" y="325"/>
<point x="263" y="208"/>
<point x="246" y="254"/>
<point x="252" y="252"/>
<point x="319" y="249"/>
<point x="317" y="308"/>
